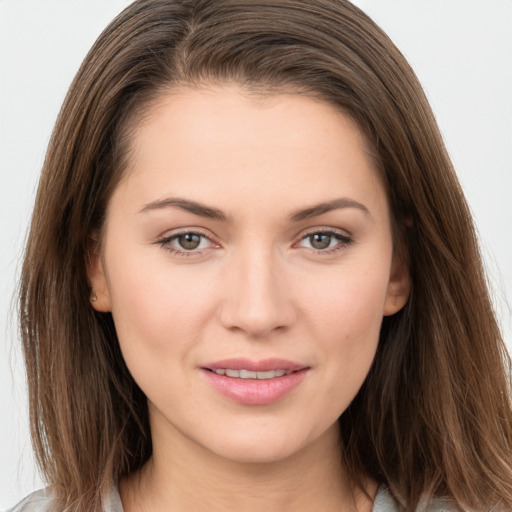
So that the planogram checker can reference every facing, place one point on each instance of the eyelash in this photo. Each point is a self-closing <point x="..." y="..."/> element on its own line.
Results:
<point x="343" y="239"/>
<point x="165" y="243"/>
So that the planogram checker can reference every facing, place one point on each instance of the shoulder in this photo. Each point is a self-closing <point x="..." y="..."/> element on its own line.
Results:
<point x="384" y="502"/>
<point x="440" y="505"/>
<point x="43" y="501"/>
<point x="38" y="501"/>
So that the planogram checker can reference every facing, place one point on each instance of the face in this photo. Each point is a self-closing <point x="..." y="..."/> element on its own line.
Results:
<point x="247" y="260"/>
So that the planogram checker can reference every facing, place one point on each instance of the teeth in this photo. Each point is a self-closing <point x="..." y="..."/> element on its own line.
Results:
<point x="271" y="374"/>
<point x="247" y="374"/>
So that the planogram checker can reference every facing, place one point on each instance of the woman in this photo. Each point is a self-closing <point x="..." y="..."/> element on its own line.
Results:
<point x="252" y="279"/>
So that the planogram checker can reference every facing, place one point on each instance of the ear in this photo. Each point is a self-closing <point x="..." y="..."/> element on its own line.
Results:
<point x="399" y="285"/>
<point x="100" y="293"/>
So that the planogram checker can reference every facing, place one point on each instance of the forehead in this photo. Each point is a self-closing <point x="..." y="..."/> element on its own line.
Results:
<point x="222" y="140"/>
<point x="197" y="110"/>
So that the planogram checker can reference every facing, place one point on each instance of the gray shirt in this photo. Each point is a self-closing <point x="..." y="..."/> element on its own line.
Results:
<point x="40" y="501"/>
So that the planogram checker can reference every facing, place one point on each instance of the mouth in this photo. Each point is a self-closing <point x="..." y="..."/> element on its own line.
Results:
<point x="249" y="374"/>
<point x="255" y="382"/>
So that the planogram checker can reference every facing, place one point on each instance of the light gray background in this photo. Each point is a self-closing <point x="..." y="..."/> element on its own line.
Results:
<point x="460" y="49"/>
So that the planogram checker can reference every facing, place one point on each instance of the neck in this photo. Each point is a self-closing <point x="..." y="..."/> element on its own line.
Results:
<point x="182" y="476"/>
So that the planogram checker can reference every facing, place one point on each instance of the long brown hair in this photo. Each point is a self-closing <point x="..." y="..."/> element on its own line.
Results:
<point x="433" y="417"/>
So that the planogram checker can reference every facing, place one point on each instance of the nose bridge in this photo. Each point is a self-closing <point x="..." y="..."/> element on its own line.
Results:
<point x="257" y="301"/>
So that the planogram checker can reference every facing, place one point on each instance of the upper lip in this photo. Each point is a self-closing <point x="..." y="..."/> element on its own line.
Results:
<point x="263" y="365"/>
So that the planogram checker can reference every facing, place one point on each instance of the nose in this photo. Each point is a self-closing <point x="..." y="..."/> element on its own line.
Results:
<point x="257" y="300"/>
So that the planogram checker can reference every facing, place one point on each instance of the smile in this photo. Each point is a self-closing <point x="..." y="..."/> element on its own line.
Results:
<point x="248" y="374"/>
<point x="251" y="382"/>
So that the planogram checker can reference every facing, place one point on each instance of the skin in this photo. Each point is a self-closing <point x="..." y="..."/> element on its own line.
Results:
<point x="257" y="287"/>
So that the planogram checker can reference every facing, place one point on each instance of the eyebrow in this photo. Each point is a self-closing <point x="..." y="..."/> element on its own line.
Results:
<point x="187" y="205"/>
<point x="322" y="208"/>
<point x="216" y="214"/>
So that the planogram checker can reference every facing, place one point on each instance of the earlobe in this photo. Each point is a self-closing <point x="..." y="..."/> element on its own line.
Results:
<point x="399" y="287"/>
<point x="100" y="294"/>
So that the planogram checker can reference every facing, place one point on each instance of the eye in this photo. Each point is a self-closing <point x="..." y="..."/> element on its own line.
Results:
<point x="189" y="241"/>
<point x="320" y="240"/>
<point x="186" y="243"/>
<point x="325" y="241"/>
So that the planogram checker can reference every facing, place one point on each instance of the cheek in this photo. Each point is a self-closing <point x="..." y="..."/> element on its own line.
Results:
<point x="345" y="316"/>
<point x="349" y="305"/>
<point x="157" y="312"/>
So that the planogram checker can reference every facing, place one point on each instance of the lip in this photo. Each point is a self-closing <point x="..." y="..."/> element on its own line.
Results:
<point x="254" y="391"/>
<point x="263" y="365"/>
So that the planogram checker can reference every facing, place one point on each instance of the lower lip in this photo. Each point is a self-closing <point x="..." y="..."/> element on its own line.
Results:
<point x="254" y="391"/>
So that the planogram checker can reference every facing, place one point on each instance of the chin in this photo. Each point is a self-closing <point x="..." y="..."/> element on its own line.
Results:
<point x="256" y="453"/>
<point x="266" y="446"/>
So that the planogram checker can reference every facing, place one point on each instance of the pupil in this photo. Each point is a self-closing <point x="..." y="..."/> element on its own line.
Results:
<point x="320" y="241"/>
<point x="189" y="241"/>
